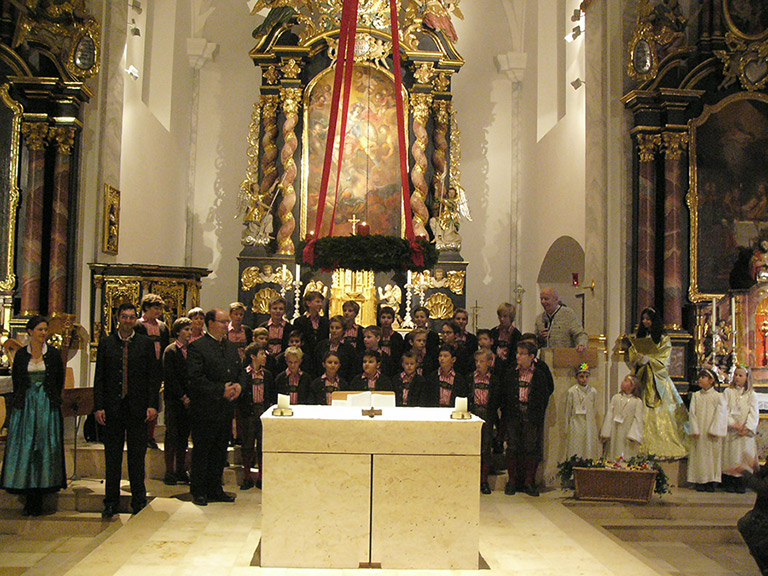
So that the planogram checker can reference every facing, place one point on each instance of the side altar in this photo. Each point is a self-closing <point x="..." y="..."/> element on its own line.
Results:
<point x="397" y="491"/>
<point x="297" y="52"/>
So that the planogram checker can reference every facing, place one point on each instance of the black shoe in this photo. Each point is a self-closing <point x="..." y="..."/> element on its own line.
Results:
<point x="222" y="497"/>
<point x="485" y="488"/>
<point x="509" y="489"/>
<point x="136" y="508"/>
<point x="170" y="479"/>
<point x="532" y="490"/>
<point x="182" y="477"/>
<point x="152" y="443"/>
<point x="109" y="511"/>
<point x="258" y="483"/>
<point x="247" y="484"/>
<point x="200" y="501"/>
<point x="700" y="487"/>
<point x="709" y="487"/>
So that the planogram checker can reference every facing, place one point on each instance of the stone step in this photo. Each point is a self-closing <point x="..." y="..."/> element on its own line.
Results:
<point x="730" y="508"/>
<point x="51" y="525"/>
<point x="691" y="532"/>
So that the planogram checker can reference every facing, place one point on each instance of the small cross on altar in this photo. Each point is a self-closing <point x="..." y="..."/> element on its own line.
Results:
<point x="354" y="221"/>
<point x="372" y="412"/>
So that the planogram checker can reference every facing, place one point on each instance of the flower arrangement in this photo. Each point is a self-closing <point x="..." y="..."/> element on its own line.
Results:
<point x="640" y="463"/>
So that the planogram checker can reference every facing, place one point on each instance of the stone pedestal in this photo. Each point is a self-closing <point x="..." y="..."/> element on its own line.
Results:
<point x="342" y="490"/>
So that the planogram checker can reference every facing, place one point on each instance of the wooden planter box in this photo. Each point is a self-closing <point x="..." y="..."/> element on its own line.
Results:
<point x="614" y="484"/>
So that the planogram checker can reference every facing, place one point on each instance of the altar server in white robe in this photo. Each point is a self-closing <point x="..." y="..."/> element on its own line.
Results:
<point x="709" y="425"/>
<point x="581" y="418"/>
<point x="740" y="445"/>
<point x="623" y="425"/>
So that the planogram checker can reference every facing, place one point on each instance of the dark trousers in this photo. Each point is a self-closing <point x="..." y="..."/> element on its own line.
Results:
<point x="209" y="454"/>
<point x="122" y="427"/>
<point x="753" y="527"/>
<point x="524" y="450"/>
<point x="176" y="437"/>
<point x="251" y="448"/>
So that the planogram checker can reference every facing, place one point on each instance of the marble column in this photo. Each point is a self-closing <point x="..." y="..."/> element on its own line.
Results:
<point x="35" y="134"/>
<point x="64" y="139"/>
<point x="291" y="98"/>
<point x="675" y="145"/>
<point x="441" y="116"/>
<point x="647" y="146"/>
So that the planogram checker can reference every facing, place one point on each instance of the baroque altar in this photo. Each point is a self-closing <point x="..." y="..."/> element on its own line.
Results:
<point x="296" y="50"/>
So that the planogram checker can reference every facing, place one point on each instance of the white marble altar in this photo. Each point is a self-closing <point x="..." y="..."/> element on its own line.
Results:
<point x="342" y="490"/>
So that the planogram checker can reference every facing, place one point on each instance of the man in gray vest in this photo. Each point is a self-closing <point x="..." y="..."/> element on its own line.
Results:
<point x="558" y="326"/>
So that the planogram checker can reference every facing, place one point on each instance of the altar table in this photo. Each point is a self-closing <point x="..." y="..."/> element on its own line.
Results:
<point x="343" y="490"/>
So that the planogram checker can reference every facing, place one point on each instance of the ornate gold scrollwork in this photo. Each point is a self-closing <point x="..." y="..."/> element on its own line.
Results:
<point x="271" y="74"/>
<point x="647" y="146"/>
<point x="116" y="292"/>
<point x="35" y="135"/>
<point x="367" y="49"/>
<point x="456" y="281"/>
<point x="261" y="300"/>
<point x="9" y="282"/>
<point x="291" y="68"/>
<point x="675" y="144"/>
<point x="63" y="137"/>
<point x="440" y="306"/>
<point x="659" y="32"/>
<point x="745" y="62"/>
<point x="424" y="73"/>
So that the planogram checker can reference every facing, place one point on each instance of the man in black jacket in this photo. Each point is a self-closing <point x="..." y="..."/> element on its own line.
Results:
<point x="126" y="390"/>
<point x="523" y="400"/>
<point x="215" y="376"/>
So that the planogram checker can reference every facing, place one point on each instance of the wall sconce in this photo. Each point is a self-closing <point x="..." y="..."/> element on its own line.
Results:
<point x="132" y="72"/>
<point x="136" y="6"/>
<point x="578" y="83"/>
<point x="134" y="29"/>
<point x="575" y="33"/>
<point x="576" y="16"/>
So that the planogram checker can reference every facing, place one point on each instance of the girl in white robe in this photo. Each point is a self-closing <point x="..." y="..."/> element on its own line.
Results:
<point x="581" y="418"/>
<point x="623" y="425"/>
<point x="740" y="445"/>
<point x="708" y="425"/>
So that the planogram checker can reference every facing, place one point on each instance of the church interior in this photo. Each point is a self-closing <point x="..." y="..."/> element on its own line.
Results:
<point x="181" y="148"/>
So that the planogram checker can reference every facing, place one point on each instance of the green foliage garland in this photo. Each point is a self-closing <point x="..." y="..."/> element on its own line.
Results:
<point x="375" y="252"/>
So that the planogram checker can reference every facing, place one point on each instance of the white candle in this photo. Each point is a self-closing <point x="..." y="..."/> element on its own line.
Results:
<point x="409" y="276"/>
<point x="298" y="272"/>
<point x="461" y="404"/>
<point x="283" y="401"/>
<point x="733" y="318"/>
<point x="714" y="314"/>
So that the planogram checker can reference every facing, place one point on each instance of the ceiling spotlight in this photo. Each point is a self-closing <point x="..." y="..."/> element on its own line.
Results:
<point x="135" y="31"/>
<point x="136" y="5"/>
<point x="132" y="72"/>
<point x="578" y="83"/>
<point x="575" y="33"/>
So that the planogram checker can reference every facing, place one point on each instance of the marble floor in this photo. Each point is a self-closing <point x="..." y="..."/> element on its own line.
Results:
<point x="520" y="535"/>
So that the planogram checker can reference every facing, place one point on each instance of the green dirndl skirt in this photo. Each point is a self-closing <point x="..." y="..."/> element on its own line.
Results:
<point x="34" y="452"/>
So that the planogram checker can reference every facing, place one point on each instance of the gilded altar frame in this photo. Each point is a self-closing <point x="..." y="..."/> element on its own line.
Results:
<point x="111" y="234"/>
<point x="697" y="292"/>
<point x="11" y="202"/>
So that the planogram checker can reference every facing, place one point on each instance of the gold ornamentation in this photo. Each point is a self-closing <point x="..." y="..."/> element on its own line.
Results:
<point x="440" y="147"/>
<point x="659" y="32"/>
<point x="291" y="102"/>
<point x="72" y="36"/>
<point x="456" y="281"/>
<point x="261" y="300"/>
<point x="420" y="104"/>
<point x="442" y="82"/>
<point x="35" y="135"/>
<point x="9" y="282"/>
<point x="675" y="144"/>
<point x="367" y="49"/>
<point x="111" y="234"/>
<point x="440" y="306"/>
<point x="751" y="18"/>
<point x="424" y="72"/>
<point x="269" y="149"/>
<point x="271" y="74"/>
<point x="64" y="137"/>
<point x="291" y="68"/>
<point x="648" y="145"/>
<point x="116" y="292"/>
<point x="249" y="187"/>
<point x="172" y="293"/>
<point x="316" y="286"/>
<point x="745" y="62"/>
<point x="252" y="276"/>
<point x="356" y="286"/>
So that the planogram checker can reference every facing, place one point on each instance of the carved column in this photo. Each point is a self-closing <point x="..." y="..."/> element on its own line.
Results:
<point x="64" y="139"/>
<point x="269" y="144"/>
<point x="442" y="116"/>
<point x="420" y="104"/>
<point x="291" y="98"/>
<point x="35" y="134"/>
<point x="647" y="145"/>
<point x="675" y="145"/>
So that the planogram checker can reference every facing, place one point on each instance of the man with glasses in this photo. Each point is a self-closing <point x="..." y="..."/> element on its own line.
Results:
<point x="126" y="397"/>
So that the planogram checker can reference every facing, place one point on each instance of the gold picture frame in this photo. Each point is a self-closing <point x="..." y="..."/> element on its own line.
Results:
<point x="111" y="238"/>
<point x="747" y="24"/>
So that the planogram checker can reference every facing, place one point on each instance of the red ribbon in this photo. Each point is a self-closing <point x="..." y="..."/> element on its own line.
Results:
<point x="417" y="254"/>
<point x="309" y="252"/>
<point x="401" y="125"/>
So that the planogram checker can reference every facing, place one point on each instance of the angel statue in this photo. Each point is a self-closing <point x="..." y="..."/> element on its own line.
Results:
<point x="445" y="224"/>
<point x="258" y="219"/>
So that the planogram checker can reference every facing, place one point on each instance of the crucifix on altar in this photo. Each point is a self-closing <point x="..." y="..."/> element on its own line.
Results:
<point x="354" y="156"/>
